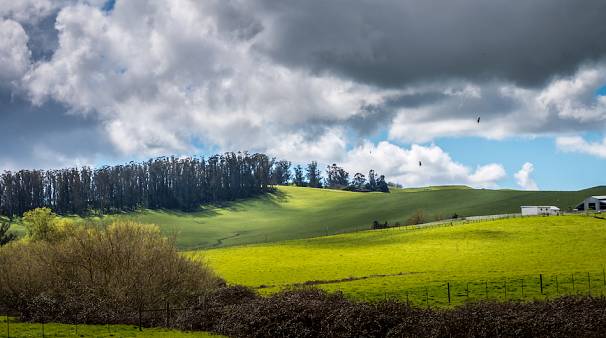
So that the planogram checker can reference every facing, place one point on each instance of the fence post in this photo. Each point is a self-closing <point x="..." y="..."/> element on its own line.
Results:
<point x="486" y="289"/>
<point x="407" y="301"/>
<point x="522" y="288"/>
<point x="426" y="297"/>
<point x="572" y="282"/>
<point x="506" y="289"/>
<point x="467" y="290"/>
<point x="589" y="284"/>
<point x="557" y="286"/>
<point x="167" y="313"/>
<point x="140" y="319"/>
<point x="541" y="282"/>
<point x="448" y="286"/>
<point x="603" y="276"/>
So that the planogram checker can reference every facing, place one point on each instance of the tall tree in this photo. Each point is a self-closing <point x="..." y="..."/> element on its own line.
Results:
<point x="280" y="174"/>
<point x="314" y="177"/>
<point x="359" y="181"/>
<point x="336" y="177"/>
<point x="299" y="179"/>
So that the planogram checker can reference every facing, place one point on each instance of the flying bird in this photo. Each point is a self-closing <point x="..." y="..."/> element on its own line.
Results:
<point x="420" y="164"/>
<point x="478" y="119"/>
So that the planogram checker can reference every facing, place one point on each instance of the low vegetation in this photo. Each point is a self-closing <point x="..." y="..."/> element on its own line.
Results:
<point x="95" y="275"/>
<point x="402" y="262"/>
<point x="18" y="329"/>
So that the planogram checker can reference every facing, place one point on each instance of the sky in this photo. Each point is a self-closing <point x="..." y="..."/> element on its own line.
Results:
<point x="368" y="84"/>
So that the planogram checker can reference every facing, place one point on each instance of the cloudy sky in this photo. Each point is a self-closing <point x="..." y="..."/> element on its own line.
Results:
<point x="377" y="84"/>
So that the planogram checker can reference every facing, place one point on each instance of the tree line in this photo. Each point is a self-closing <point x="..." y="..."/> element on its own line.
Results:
<point x="166" y="182"/>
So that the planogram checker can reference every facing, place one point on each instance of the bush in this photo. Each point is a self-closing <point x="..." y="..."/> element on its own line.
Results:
<point x="417" y="218"/>
<point x="98" y="275"/>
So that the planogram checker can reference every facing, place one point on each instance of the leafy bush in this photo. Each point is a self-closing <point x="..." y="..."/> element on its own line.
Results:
<point x="98" y="275"/>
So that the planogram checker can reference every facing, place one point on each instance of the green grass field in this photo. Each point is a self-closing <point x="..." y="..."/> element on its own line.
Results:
<point x="296" y="213"/>
<point x="17" y="329"/>
<point x="402" y="263"/>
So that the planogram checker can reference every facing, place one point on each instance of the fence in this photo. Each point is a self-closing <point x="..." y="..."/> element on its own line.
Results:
<point x="520" y="288"/>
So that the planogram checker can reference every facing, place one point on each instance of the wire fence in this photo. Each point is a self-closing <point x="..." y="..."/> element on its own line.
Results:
<point x="522" y="288"/>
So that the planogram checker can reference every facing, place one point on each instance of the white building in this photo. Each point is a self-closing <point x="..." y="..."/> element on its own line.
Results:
<point x="535" y="210"/>
<point x="597" y="203"/>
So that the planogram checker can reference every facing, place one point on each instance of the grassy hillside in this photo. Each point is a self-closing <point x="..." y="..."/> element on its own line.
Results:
<point x="294" y="213"/>
<point x="18" y="329"/>
<point x="401" y="263"/>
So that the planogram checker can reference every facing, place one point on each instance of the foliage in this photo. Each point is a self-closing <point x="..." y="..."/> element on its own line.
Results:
<point x="417" y="218"/>
<point x="98" y="275"/>
<point x="390" y="263"/>
<point x="41" y="224"/>
<point x="314" y="177"/>
<point x="5" y="236"/>
<point x="299" y="178"/>
<point x="336" y="177"/>
<point x="313" y="313"/>
<point x="174" y="183"/>
<point x="280" y="173"/>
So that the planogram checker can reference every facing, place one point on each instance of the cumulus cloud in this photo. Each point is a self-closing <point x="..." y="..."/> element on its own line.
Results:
<point x="309" y="80"/>
<point x="524" y="177"/>
<point x="14" y="54"/>
<point x="402" y="165"/>
<point x="578" y="144"/>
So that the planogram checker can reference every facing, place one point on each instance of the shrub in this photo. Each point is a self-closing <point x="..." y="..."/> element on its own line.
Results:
<point x="5" y="236"/>
<point x="99" y="275"/>
<point x="417" y="218"/>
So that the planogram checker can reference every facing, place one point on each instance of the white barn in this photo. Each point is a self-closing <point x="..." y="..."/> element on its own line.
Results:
<point x="535" y="210"/>
<point x="597" y="203"/>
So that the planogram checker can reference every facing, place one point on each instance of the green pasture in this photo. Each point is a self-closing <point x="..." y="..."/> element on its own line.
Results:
<point x="491" y="256"/>
<point x="18" y="329"/>
<point x="296" y="213"/>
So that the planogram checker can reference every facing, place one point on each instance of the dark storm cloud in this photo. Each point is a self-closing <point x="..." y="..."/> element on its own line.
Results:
<point x="46" y="136"/>
<point x="391" y="43"/>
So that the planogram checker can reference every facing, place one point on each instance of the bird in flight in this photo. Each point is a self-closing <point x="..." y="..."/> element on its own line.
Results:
<point x="478" y="119"/>
<point x="420" y="164"/>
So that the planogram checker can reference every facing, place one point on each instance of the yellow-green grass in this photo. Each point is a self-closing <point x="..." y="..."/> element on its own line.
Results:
<point x="19" y="329"/>
<point x="400" y="263"/>
<point x="295" y="213"/>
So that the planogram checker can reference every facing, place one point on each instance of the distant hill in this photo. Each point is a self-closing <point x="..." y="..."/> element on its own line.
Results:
<point x="294" y="213"/>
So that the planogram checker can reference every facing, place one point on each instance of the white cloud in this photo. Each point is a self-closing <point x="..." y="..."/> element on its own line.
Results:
<point x="171" y="76"/>
<point x="14" y="54"/>
<point x="402" y="165"/>
<point x="524" y="177"/>
<point x="577" y="144"/>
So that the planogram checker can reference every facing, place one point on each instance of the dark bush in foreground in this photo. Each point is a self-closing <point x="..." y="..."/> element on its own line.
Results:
<point x="98" y="275"/>
<point x="314" y="313"/>
<point x="239" y="312"/>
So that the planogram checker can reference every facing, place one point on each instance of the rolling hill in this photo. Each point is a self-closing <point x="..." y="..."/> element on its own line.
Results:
<point x="499" y="259"/>
<point x="295" y="213"/>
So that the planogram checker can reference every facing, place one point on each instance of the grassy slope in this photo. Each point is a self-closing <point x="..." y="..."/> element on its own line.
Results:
<point x="512" y="249"/>
<point x="18" y="329"/>
<point x="295" y="213"/>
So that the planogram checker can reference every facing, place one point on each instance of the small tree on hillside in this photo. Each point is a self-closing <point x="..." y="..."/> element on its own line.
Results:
<point x="40" y="224"/>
